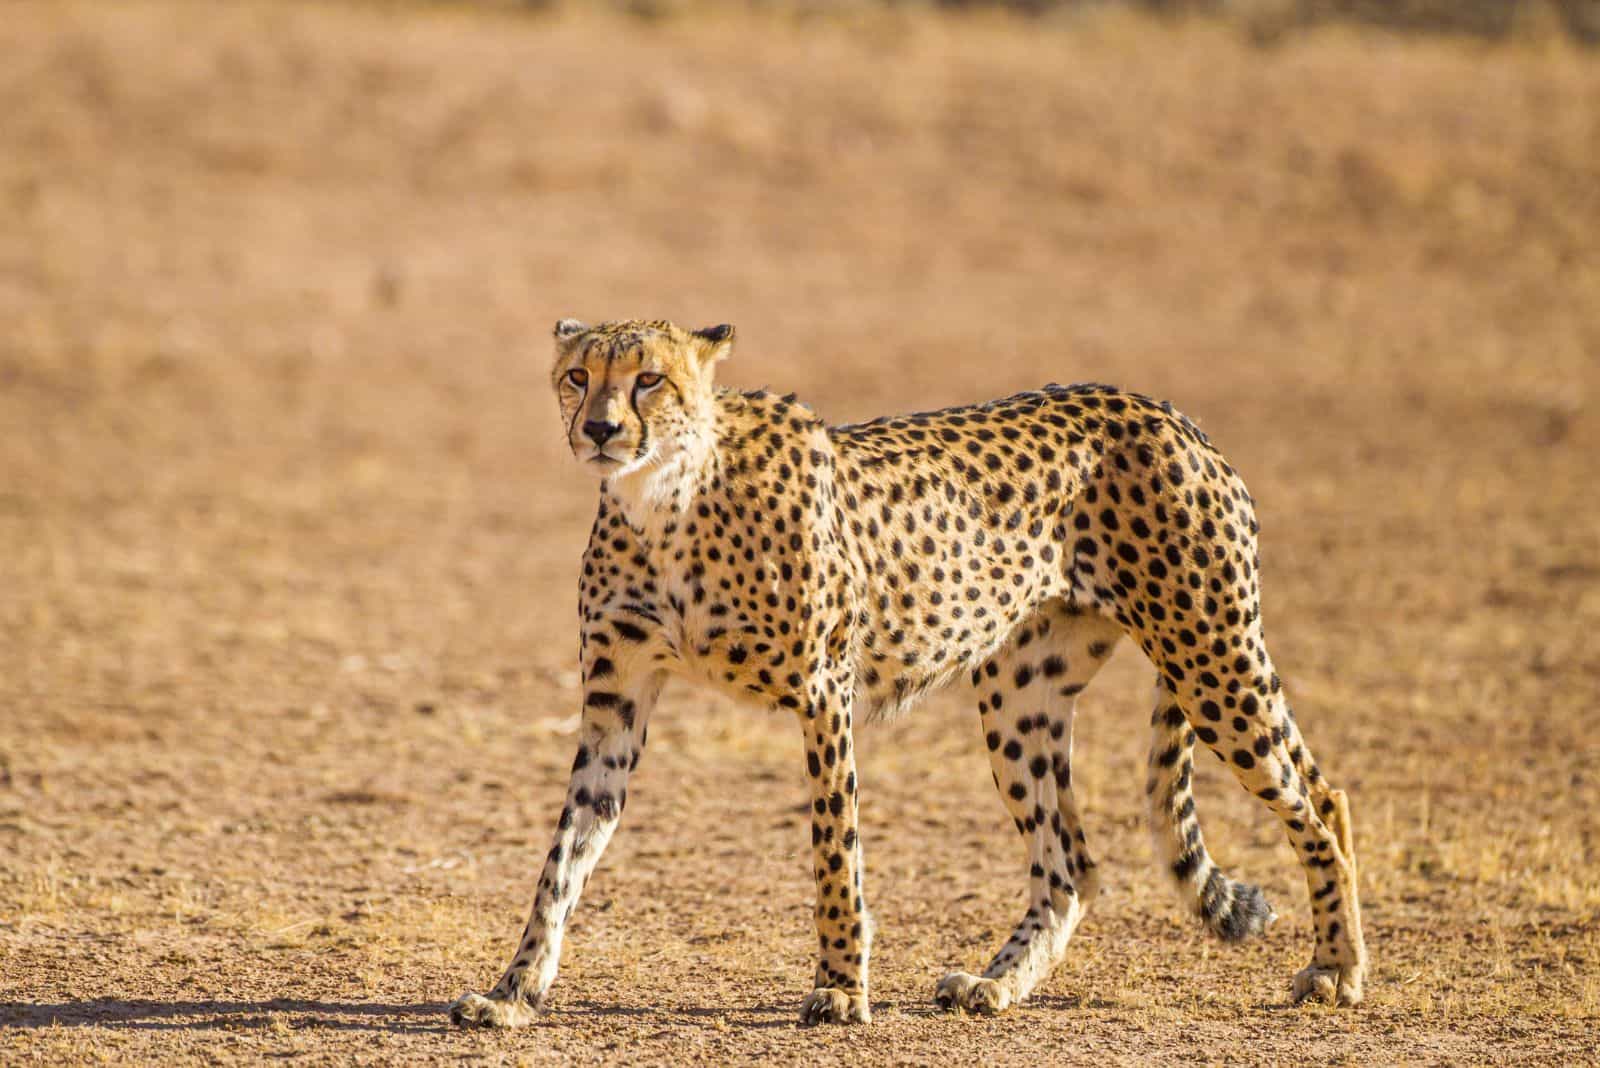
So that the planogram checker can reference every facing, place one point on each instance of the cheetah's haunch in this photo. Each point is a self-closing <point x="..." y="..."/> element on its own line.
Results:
<point x="844" y="571"/>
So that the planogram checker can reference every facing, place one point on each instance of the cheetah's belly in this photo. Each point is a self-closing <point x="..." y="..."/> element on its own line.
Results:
<point x="950" y="620"/>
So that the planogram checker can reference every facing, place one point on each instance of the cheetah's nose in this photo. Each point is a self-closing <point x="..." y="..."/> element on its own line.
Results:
<point x="600" y="432"/>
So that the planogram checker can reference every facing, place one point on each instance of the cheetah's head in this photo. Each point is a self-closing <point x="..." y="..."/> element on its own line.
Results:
<point x="634" y="394"/>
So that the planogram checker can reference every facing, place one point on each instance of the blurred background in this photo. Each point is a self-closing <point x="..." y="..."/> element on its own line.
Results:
<point x="289" y="533"/>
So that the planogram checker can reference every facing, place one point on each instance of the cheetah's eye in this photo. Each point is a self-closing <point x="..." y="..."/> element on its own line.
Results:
<point x="578" y="377"/>
<point x="648" y="381"/>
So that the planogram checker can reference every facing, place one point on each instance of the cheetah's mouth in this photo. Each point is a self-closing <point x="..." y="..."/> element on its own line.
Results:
<point x="602" y="460"/>
<point x="613" y="455"/>
<point x="615" y="458"/>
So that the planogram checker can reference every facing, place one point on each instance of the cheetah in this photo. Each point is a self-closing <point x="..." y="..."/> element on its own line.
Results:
<point x="839" y="573"/>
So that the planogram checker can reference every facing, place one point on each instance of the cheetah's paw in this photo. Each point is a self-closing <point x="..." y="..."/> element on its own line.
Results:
<point x="1334" y="986"/>
<point x="969" y="993"/>
<point x="475" y="1010"/>
<point x="828" y="1004"/>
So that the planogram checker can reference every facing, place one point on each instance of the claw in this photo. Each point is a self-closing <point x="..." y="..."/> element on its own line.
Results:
<point x="829" y="1005"/>
<point x="1331" y="986"/>
<point x="475" y="1010"/>
<point x="970" y="993"/>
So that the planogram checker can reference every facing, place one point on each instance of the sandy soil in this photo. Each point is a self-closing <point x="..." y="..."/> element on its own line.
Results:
<point x="288" y="536"/>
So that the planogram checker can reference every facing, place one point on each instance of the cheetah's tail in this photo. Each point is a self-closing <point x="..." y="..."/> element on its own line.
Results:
<point x="1232" y="910"/>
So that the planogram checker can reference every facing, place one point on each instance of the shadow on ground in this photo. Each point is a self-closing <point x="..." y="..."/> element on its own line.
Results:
<point x="418" y="1018"/>
<point x="209" y="1015"/>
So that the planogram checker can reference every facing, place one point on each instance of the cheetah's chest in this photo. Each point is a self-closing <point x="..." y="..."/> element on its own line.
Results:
<point x="728" y="611"/>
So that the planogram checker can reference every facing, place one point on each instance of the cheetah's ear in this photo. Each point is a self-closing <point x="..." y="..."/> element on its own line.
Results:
<point x="567" y="329"/>
<point x="714" y="343"/>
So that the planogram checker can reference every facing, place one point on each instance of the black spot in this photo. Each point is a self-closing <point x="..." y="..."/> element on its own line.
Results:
<point x="627" y="631"/>
<point x="1185" y="866"/>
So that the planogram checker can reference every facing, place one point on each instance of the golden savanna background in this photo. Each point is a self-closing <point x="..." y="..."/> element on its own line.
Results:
<point x="289" y="533"/>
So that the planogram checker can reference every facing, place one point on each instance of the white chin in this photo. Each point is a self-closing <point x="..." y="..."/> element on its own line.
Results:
<point x="618" y="468"/>
<point x="603" y="465"/>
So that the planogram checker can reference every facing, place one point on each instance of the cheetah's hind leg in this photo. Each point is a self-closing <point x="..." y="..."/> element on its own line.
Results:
<point x="1232" y="910"/>
<point x="1026" y="698"/>
<point x="1256" y="737"/>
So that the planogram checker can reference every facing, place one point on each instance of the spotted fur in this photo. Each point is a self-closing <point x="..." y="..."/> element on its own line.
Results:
<point x="840" y="572"/>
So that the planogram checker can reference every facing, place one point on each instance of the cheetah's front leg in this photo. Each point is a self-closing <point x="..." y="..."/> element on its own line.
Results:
<point x="611" y="738"/>
<point x="844" y="928"/>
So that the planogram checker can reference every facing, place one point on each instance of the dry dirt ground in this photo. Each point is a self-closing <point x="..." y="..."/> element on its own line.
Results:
<point x="288" y="536"/>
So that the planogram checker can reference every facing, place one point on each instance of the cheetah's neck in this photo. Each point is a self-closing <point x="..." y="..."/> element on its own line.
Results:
<point x="652" y="495"/>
